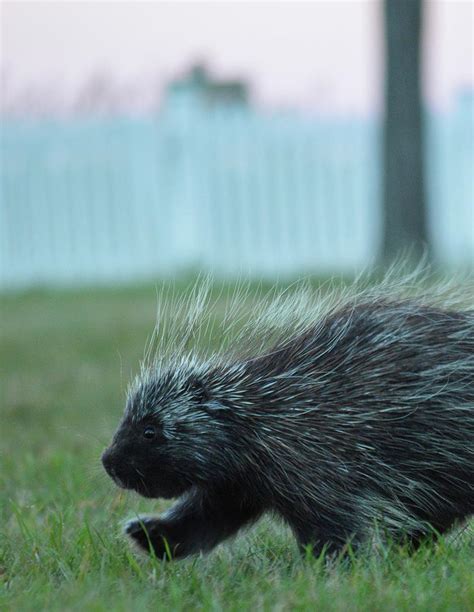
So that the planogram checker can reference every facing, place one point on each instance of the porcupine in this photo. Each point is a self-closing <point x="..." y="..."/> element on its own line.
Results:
<point x="344" y="415"/>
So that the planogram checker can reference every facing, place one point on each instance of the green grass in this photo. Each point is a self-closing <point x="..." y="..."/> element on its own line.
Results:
<point x="65" y="362"/>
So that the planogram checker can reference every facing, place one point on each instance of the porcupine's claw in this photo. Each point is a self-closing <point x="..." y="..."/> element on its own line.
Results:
<point x="148" y="534"/>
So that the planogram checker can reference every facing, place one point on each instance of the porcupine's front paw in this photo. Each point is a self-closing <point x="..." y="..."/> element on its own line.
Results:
<point x="150" y="534"/>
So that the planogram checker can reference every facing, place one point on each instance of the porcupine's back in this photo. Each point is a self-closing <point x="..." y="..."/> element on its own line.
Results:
<point x="371" y="411"/>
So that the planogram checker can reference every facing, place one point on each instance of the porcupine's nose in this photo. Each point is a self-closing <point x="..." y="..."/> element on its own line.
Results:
<point x="113" y="468"/>
<point x="107" y="462"/>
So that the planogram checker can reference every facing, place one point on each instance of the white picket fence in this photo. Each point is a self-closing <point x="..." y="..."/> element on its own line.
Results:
<point x="233" y="191"/>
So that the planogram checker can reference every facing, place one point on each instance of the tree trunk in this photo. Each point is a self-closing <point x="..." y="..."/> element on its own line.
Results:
<point x="405" y="226"/>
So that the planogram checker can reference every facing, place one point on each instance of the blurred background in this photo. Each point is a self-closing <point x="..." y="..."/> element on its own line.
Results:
<point x="144" y="143"/>
<point x="151" y="140"/>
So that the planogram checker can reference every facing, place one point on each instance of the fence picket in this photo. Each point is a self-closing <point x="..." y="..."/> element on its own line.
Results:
<point x="229" y="190"/>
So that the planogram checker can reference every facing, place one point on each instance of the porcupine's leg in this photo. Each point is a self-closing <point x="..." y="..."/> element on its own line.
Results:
<point x="195" y="523"/>
<point x="318" y="533"/>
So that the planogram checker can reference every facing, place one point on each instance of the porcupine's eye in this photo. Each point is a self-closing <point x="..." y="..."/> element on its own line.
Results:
<point x="149" y="432"/>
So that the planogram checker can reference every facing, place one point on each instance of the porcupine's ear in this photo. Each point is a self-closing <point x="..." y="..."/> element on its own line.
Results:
<point x="199" y="390"/>
<point x="203" y="396"/>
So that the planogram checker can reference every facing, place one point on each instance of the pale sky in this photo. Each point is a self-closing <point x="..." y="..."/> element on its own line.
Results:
<point x="326" y="55"/>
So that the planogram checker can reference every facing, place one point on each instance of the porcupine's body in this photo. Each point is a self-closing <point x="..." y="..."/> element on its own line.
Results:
<point x="357" y="417"/>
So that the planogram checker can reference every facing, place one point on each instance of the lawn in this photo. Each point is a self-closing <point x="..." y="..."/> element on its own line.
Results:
<point x="66" y="358"/>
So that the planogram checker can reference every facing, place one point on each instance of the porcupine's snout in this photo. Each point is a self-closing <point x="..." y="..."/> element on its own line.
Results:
<point x="110" y="463"/>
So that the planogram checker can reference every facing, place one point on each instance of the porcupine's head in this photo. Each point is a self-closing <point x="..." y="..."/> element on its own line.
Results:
<point x="171" y="436"/>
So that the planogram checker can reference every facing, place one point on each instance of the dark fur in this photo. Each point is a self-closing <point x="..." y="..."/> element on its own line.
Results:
<point x="365" y="418"/>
